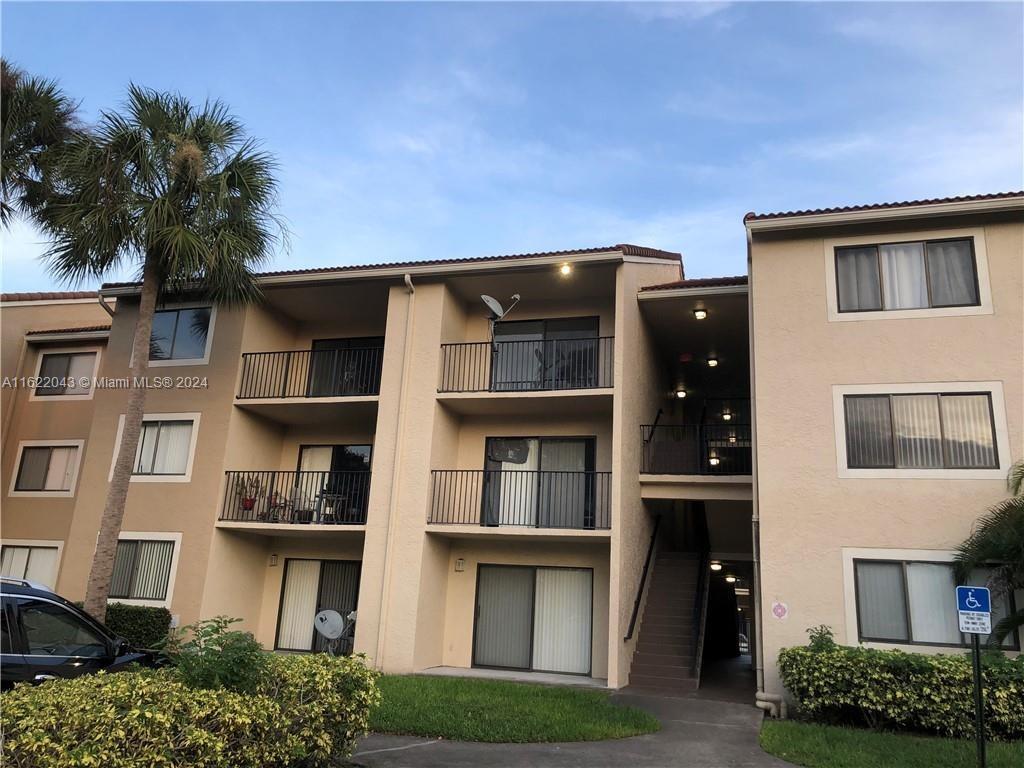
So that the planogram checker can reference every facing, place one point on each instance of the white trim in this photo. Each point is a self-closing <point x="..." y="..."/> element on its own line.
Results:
<point x="174" y="536"/>
<point x="47" y="337"/>
<point x="41" y="302"/>
<point x="185" y="478"/>
<point x="800" y="221"/>
<point x="205" y="359"/>
<point x="704" y="290"/>
<point x="977" y="234"/>
<point x="995" y="388"/>
<point x="79" y="444"/>
<point x="33" y="397"/>
<point x="57" y="544"/>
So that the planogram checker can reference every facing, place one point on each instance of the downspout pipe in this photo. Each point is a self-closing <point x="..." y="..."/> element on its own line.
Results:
<point x="396" y="472"/>
<point x="103" y="303"/>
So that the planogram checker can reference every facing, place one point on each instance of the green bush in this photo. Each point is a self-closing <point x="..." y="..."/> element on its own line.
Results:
<point x="144" y="626"/>
<point x="209" y="655"/>
<point x="137" y="719"/>
<point x="307" y="713"/>
<point x="903" y="691"/>
<point x="328" y="700"/>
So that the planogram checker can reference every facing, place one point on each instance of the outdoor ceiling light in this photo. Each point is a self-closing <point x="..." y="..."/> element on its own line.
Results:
<point x="716" y="566"/>
<point x="566" y="269"/>
<point x="680" y="393"/>
<point x="732" y="438"/>
<point x="714" y="461"/>
<point x="726" y="416"/>
<point x="712" y="362"/>
<point x="731" y="579"/>
<point x="700" y="314"/>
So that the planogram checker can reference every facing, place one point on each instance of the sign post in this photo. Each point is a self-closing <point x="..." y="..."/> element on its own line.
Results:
<point x="974" y="610"/>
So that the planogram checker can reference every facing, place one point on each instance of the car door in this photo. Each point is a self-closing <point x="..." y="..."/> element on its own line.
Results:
<point x="59" y="643"/>
<point x="12" y="663"/>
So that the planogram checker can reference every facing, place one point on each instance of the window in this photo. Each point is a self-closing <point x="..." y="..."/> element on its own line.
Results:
<point x="164" y="448"/>
<point x="912" y="602"/>
<point x="142" y="569"/>
<point x="180" y="334"/>
<point x="912" y="275"/>
<point x="66" y="373"/>
<point x="920" y="431"/>
<point x="35" y="563"/>
<point x="52" y="630"/>
<point x="47" y="468"/>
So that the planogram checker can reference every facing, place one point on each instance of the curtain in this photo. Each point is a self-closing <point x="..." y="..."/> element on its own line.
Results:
<point x="933" y="613"/>
<point x="881" y="605"/>
<point x="124" y="563"/>
<point x="951" y="272"/>
<point x="62" y="464"/>
<point x="857" y="277"/>
<point x="903" y="276"/>
<point x="42" y="566"/>
<point x="81" y="367"/>
<point x="153" y="570"/>
<point x="517" y="503"/>
<point x="14" y="561"/>
<point x="504" y="620"/>
<point x="298" y="605"/>
<point x="868" y="432"/>
<point x="171" y="455"/>
<point x="32" y="472"/>
<point x="562" y="624"/>
<point x="967" y="427"/>
<point x="918" y="435"/>
<point x="147" y="444"/>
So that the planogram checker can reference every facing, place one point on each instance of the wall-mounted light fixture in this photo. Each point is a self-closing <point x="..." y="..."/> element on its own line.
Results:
<point x="715" y="565"/>
<point x="731" y="579"/>
<point x="680" y="393"/>
<point x="700" y="314"/>
<point x="712" y="362"/>
<point x="714" y="461"/>
<point x="460" y="564"/>
<point x="726" y="416"/>
<point x="273" y="560"/>
<point x="732" y="439"/>
<point x="566" y="269"/>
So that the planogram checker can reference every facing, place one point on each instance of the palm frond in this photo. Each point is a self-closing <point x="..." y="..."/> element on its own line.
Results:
<point x="1006" y="626"/>
<point x="997" y="537"/>
<point x="1015" y="478"/>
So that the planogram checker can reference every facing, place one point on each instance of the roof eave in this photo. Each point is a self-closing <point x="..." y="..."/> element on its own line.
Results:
<point x="45" y="337"/>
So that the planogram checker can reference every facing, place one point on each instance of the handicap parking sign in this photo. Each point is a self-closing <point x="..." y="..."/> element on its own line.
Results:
<point x="974" y="609"/>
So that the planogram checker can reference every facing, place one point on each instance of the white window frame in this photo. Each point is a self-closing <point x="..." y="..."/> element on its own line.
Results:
<point x="983" y="307"/>
<point x="993" y="388"/>
<point x="57" y="544"/>
<point x="43" y="351"/>
<point x="174" y="536"/>
<point x="851" y="554"/>
<point x="185" y="478"/>
<point x="205" y="359"/>
<point x="79" y="444"/>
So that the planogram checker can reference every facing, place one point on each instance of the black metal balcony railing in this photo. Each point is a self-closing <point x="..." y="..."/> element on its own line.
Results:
<point x="698" y="449"/>
<point x="535" y="499"/>
<point x="524" y="366"/>
<point x="338" y="498"/>
<point x="311" y="373"/>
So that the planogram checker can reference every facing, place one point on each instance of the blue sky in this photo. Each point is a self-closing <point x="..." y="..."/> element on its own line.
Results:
<point x="412" y="131"/>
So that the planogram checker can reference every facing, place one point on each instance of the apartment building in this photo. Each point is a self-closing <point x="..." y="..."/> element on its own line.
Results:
<point x="550" y="462"/>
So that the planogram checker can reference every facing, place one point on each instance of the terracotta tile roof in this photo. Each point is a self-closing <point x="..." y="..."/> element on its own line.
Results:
<point x="876" y="206"/>
<point x="48" y="296"/>
<point x="626" y="249"/>
<point x="699" y="282"/>
<point x="81" y="329"/>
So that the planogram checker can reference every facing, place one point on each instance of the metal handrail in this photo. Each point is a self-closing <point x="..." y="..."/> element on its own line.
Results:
<point x="311" y="373"/>
<point x="700" y="603"/>
<point x="643" y="581"/>
<point x="696" y="449"/>
<point x="275" y="496"/>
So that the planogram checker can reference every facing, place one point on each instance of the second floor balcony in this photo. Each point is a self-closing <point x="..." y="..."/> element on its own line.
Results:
<point x="312" y="373"/>
<point x="531" y="365"/>
<point x="696" y="449"/>
<point x="521" y="498"/>
<point x="299" y="497"/>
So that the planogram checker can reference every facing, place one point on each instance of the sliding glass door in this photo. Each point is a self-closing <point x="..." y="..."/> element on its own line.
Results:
<point x="537" y="618"/>
<point x="311" y="586"/>
<point x="545" y="354"/>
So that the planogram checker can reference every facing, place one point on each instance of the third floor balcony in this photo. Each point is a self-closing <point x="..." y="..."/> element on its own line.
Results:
<point x="348" y="368"/>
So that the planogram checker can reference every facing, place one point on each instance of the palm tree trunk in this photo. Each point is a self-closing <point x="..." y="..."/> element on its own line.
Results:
<point x="113" y="512"/>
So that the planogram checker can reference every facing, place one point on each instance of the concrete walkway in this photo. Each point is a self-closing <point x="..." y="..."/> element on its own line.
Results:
<point x="695" y="733"/>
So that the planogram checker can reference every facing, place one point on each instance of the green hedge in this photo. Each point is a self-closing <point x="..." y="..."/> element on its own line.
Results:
<point x="143" y="626"/>
<point x="904" y="691"/>
<point x="308" y="713"/>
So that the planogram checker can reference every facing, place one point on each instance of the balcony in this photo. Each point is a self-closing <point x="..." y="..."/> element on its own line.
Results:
<point x="296" y="498"/>
<point x="305" y="373"/>
<point x="698" y="449"/>
<point x="527" y="499"/>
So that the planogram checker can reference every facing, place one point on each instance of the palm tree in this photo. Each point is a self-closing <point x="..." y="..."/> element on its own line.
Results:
<point x="182" y="195"/>
<point x="37" y="119"/>
<point x="998" y="538"/>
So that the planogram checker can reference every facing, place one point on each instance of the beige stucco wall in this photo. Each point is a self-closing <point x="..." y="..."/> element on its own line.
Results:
<point x="808" y="513"/>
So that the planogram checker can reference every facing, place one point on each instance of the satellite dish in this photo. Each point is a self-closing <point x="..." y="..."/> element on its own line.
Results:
<point x="329" y="624"/>
<point x="493" y="305"/>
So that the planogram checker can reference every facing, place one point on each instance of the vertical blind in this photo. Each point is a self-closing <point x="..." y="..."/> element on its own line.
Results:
<point x="952" y="431"/>
<point x="298" y="605"/>
<point x="142" y="569"/>
<point x="504" y="617"/>
<point x="164" y="448"/>
<point x="37" y="564"/>
<point x="561" y="630"/>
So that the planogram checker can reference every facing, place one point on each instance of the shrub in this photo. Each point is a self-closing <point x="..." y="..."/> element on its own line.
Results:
<point x="143" y="718"/>
<point x="328" y="700"/>
<point x="144" y="626"/>
<point x="906" y="691"/>
<point x="209" y="655"/>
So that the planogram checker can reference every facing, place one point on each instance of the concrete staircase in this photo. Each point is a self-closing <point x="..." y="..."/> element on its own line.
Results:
<point x="663" y="660"/>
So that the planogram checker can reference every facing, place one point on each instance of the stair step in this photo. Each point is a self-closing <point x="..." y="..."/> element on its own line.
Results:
<point x="677" y="672"/>
<point x="673" y="647"/>
<point x="660" y="684"/>
<point x="671" y="659"/>
<point x="668" y="554"/>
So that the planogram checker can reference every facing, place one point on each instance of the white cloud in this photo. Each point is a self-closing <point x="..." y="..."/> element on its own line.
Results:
<point x="679" y="10"/>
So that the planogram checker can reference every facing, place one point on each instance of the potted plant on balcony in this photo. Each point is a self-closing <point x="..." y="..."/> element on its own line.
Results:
<point x="248" y="490"/>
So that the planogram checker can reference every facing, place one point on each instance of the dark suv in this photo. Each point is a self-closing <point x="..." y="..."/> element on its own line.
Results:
<point x="43" y="636"/>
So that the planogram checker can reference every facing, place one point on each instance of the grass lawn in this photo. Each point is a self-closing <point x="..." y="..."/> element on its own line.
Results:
<point x="501" y="711"/>
<point x="824" y="746"/>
